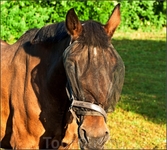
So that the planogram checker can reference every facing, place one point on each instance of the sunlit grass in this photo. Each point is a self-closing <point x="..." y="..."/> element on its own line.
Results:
<point x="129" y="130"/>
<point x="139" y="121"/>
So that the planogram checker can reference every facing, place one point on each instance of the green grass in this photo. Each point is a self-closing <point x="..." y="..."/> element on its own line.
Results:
<point x="139" y="121"/>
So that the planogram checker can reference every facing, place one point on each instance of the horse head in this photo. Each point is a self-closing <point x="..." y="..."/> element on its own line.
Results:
<point x="95" y="74"/>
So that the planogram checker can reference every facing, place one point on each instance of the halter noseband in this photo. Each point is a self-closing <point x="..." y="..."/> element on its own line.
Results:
<point x="97" y="110"/>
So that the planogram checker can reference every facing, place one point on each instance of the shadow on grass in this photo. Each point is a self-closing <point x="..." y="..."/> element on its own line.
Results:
<point x="144" y="86"/>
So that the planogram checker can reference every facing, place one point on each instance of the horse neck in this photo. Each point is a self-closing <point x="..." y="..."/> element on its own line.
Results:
<point x="52" y="68"/>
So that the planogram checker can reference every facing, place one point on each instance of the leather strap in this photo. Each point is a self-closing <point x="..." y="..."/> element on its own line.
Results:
<point x="89" y="105"/>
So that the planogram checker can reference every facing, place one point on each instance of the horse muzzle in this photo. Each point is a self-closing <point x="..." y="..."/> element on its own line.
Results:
<point x="93" y="133"/>
<point x="91" y="119"/>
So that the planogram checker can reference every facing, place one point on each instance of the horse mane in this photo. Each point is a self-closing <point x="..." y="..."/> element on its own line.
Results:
<point x="27" y="36"/>
<point x="50" y="33"/>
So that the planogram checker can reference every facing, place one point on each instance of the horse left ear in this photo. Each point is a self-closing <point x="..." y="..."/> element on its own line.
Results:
<point x="113" y="21"/>
<point x="73" y="24"/>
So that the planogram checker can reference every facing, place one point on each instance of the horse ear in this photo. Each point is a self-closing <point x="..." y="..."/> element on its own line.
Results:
<point x="113" y="21"/>
<point x="73" y="24"/>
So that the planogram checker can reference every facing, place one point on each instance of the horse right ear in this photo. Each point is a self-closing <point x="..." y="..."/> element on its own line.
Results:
<point x="113" y="21"/>
<point x="73" y="24"/>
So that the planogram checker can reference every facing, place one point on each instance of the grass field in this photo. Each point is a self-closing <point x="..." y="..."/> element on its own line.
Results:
<point x="139" y="121"/>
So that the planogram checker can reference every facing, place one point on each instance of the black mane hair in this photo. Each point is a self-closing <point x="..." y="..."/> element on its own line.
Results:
<point x="51" y="33"/>
<point x="27" y="36"/>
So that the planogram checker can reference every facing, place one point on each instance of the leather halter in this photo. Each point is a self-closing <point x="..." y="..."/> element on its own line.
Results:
<point x="98" y="111"/>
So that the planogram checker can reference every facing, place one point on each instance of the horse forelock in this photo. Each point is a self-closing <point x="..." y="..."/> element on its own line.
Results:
<point x="93" y="34"/>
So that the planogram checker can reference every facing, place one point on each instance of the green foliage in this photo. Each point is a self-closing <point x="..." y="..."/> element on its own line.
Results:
<point x="143" y="14"/>
<point x="19" y="16"/>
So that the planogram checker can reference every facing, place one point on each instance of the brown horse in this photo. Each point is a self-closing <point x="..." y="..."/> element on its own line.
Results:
<point x="57" y="84"/>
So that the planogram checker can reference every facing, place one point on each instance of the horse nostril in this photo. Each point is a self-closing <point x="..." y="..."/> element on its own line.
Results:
<point x="107" y="133"/>
<point x="85" y="136"/>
